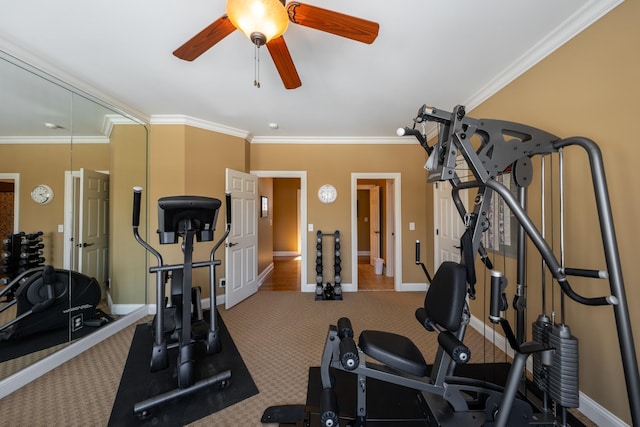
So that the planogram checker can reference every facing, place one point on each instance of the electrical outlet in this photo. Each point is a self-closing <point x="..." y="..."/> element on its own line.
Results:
<point x="223" y="282"/>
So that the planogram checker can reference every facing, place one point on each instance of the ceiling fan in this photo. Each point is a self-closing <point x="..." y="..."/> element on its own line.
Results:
<point x="261" y="32"/>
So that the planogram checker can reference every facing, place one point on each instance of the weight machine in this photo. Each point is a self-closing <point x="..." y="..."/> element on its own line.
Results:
<point x="507" y="146"/>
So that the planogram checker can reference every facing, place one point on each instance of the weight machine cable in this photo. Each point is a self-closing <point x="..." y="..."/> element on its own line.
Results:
<point x="552" y="239"/>
<point x="543" y="230"/>
<point x="561" y="196"/>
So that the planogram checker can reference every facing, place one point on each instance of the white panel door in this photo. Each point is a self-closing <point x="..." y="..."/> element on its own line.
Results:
<point x="241" y="252"/>
<point x="93" y="245"/>
<point x="448" y="224"/>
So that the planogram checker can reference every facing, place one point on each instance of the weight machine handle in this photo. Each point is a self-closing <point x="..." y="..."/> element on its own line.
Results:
<point x="595" y="274"/>
<point x="498" y="301"/>
<point x="420" y="263"/>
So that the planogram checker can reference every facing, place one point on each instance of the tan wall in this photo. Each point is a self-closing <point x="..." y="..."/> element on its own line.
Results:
<point x="285" y="221"/>
<point x="334" y="164"/>
<point x="589" y="87"/>
<point x="127" y="269"/>
<point x="363" y="212"/>
<point x="187" y="160"/>
<point x="266" y="226"/>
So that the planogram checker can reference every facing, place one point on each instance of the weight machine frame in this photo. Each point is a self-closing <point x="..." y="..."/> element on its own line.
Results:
<point x="506" y="146"/>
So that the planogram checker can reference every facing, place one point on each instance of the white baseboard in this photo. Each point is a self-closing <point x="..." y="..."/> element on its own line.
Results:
<point x="263" y="274"/>
<point x="412" y="287"/>
<point x="596" y="413"/>
<point x="124" y="309"/>
<point x="364" y="253"/>
<point x="588" y="407"/>
<point x="286" y="253"/>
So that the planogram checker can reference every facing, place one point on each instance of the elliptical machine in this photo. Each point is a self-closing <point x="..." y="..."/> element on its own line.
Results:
<point x="47" y="298"/>
<point x="181" y="324"/>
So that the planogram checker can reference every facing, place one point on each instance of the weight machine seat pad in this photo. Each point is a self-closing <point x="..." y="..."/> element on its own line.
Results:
<point x="393" y="350"/>
<point x="446" y="295"/>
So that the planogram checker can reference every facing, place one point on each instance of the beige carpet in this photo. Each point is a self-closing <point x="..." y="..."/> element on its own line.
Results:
<point x="279" y="335"/>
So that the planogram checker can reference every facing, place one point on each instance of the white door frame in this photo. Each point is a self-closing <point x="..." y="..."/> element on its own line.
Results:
<point x="390" y="235"/>
<point x="16" y="198"/>
<point x="302" y="175"/>
<point x="396" y="177"/>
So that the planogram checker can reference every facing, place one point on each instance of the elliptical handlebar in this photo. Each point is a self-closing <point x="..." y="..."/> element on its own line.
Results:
<point x="227" y="229"/>
<point x="13" y="283"/>
<point x="137" y="197"/>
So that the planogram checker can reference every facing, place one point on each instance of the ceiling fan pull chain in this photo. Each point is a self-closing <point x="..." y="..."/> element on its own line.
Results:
<point x="256" y="69"/>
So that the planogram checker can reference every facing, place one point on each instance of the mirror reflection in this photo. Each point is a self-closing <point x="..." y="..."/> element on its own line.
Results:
<point x="69" y="265"/>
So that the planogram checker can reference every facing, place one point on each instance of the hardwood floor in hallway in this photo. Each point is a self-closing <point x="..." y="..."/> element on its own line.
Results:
<point x="286" y="276"/>
<point x="368" y="280"/>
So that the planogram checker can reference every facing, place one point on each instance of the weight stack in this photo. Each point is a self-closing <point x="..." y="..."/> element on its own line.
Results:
<point x="563" y="372"/>
<point x="540" y="334"/>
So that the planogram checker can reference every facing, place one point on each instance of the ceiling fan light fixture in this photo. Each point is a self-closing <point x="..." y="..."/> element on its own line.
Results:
<point x="259" y="20"/>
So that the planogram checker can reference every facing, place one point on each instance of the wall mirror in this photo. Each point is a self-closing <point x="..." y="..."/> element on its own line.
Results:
<point x="68" y="162"/>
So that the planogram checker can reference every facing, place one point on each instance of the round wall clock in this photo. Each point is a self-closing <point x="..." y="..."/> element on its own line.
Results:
<point x="42" y="194"/>
<point x="327" y="193"/>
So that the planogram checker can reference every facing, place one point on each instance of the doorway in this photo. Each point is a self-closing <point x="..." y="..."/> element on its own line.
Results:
<point x="9" y="191"/>
<point x="9" y="203"/>
<point x="289" y="258"/>
<point x="376" y="232"/>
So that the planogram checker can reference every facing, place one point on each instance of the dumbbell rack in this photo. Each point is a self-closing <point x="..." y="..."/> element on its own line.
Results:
<point x="20" y="252"/>
<point x="328" y="291"/>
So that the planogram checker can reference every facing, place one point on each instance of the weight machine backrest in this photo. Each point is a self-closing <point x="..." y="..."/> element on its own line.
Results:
<point x="445" y="298"/>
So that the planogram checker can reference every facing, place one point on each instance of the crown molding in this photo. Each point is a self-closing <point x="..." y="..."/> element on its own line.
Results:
<point x="110" y="120"/>
<point x="27" y="140"/>
<point x="181" y="119"/>
<point x="572" y="26"/>
<point x="338" y="140"/>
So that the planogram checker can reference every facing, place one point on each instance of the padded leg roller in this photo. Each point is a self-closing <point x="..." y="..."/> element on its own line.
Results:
<point x="328" y="408"/>
<point x="349" y="354"/>
<point x="344" y="328"/>
<point x="459" y="352"/>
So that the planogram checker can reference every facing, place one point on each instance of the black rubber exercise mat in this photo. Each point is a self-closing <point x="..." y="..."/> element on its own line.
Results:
<point x="138" y="383"/>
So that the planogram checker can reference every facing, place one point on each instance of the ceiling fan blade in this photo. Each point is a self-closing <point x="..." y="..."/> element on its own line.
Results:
<point x="333" y="22"/>
<point x="205" y="39"/>
<point x="284" y="63"/>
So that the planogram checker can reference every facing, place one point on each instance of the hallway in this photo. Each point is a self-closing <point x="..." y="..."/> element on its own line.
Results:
<point x="286" y="276"/>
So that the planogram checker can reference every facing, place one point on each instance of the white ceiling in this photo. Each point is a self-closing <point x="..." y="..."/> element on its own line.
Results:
<point x="435" y="52"/>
